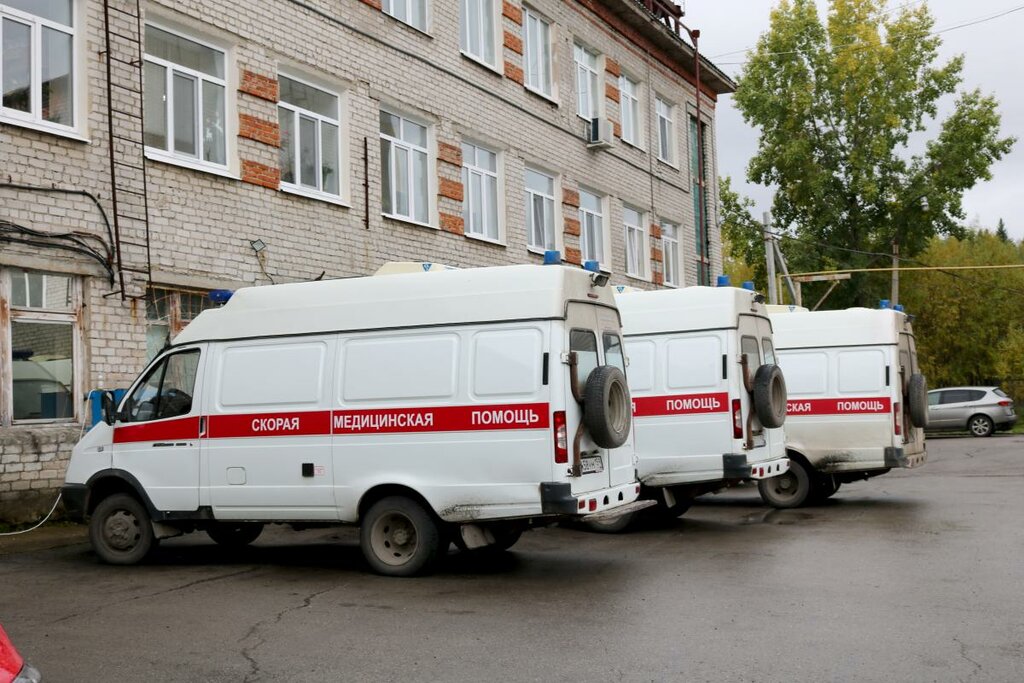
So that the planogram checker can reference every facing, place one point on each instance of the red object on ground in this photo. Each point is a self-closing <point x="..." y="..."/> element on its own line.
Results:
<point x="10" y="661"/>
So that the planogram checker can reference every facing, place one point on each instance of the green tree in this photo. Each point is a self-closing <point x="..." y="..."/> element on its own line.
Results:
<point x="836" y="102"/>
<point x="1001" y="231"/>
<point x="742" y="237"/>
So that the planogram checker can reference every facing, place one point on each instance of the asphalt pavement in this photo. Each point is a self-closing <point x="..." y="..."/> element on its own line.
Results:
<point x="913" y="576"/>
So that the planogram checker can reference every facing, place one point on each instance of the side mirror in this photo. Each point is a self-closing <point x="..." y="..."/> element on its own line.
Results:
<point x="109" y="407"/>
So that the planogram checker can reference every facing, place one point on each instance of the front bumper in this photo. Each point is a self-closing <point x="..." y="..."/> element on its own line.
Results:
<point x="557" y="498"/>
<point x="74" y="497"/>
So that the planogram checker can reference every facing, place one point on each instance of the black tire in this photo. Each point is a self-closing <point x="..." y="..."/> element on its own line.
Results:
<point x="235" y="534"/>
<point x="770" y="396"/>
<point x="399" y="537"/>
<point x="669" y="512"/>
<point x="121" y="530"/>
<point x="789" y="490"/>
<point x="980" y="425"/>
<point x="504" y="538"/>
<point x="917" y="400"/>
<point x="615" y="525"/>
<point x="607" y="409"/>
<point x="823" y="487"/>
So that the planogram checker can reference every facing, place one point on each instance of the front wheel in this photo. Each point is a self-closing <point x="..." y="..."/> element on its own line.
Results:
<point x="121" y="530"/>
<point x="400" y="538"/>
<point x="789" y="490"/>
<point x="235" y="534"/>
<point x="980" y="425"/>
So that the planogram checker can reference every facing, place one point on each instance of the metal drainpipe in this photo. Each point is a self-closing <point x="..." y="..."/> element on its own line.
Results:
<point x="701" y="218"/>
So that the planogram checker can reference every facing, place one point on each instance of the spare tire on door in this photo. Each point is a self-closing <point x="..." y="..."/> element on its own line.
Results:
<point x="917" y="400"/>
<point x="607" y="409"/>
<point x="770" y="396"/>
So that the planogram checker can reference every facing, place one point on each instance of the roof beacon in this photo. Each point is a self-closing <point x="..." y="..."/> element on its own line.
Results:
<point x="899" y="308"/>
<point x="592" y="266"/>
<point x="220" y="296"/>
<point x="883" y="303"/>
<point x="748" y="284"/>
<point x="552" y="257"/>
<point x="723" y="281"/>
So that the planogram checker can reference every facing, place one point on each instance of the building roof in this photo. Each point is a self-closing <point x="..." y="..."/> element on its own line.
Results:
<point x="525" y="292"/>
<point x="686" y="309"/>
<point x="802" y="329"/>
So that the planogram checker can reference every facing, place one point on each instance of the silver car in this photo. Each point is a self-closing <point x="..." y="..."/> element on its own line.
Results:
<point x="979" y="410"/>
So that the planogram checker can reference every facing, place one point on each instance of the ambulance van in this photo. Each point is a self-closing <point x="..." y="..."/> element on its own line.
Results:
<point x="858" y="402"/>
<point x="464" y="406"/>
<point x="709" y="400"/>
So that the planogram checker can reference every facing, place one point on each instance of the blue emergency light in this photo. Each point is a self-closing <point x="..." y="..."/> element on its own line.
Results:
<point x="749" y="285"/>
<point x="898" y="307"/>
<point x="592" y="266"/>
<point x="552" y="257"/>
<point x="723" y="281"/>
<point x="220" y="296"/>
<point x="883" y="303"/>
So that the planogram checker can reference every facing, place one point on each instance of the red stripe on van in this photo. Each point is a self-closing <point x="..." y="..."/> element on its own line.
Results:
<point x="680" y="404"/>
<point x="162" y="430"/>
<point x="442" y="419"/>
<point x="838" y="406"/>
<point x="270" y="424"/>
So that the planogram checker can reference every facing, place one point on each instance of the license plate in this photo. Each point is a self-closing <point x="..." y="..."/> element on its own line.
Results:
<point x="591" y="464"/>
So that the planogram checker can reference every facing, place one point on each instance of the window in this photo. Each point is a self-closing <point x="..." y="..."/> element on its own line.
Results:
<point x="752" y="352"/>
<point x="806" y="373"/>
<point x="403" y="162"/>
<point x="290" y="373"/>
<point x="43" y="334"/>
<point x="537" y="52"/>
<point x="769" y="351"/>
<point x="412" y="12"/>
<point x="670" y="251"/>
<point x="666" y="134"/>
<point x="629" y="102"/>
<point x="861" y="371"/>
<point x="37" y="41"/>
<point x="507" y="362"/>
<point x="168" y="312"/>
<point x="613" y="351"/>
<point x="694" y="362"/>
<point x="166" y="391"/>
<point x="310" y="143"/>
<point x="540" y="210"/>
<point x="398" y="369"/>
<point x="184" y="99"/>
<point x="591" y="227"/>
<point x="588" y="93"/>
<point x="584" y="344"/>
<point x="476" y="30"/>
<point x="480" y="184"/>
<point x="636" y="242"/>
<point x="933" y="397"/>
<point x="700" y="204"/>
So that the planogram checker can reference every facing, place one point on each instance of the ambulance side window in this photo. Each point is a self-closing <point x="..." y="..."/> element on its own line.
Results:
<point x="167" y="390"/>
<point x="584" y="343"/>
<point x="769" y="351"/>
<point x="613" y="351"/>
<point x="749" y="348"/>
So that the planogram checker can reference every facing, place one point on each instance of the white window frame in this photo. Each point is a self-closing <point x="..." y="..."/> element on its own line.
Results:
<point x="178" y="158"/>
<point x="556" y="211"/>
<point x="471" y="169"/>
<point x="670" y="250"/>
<point x="297" y="112"/>
<point x="530" y="54"/>
<point x="670" y="143"/>
<point x="40" y="315"/>
<point x="636" y="234"/>
<point x="465" y="33"/>
<point x="34" y="117"/>
<point x="631" y="101"/>
<point x="390" y="8"/>
<point x="411" y="148"/>
<point x="592" y="110"/>
<point x="603" y="242"/>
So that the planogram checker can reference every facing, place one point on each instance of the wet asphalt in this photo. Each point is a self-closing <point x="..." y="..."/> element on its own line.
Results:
<point x="913" y="576"/>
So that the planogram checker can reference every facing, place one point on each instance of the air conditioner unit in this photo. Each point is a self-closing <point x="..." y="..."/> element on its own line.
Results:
<point x="599" y="133"/>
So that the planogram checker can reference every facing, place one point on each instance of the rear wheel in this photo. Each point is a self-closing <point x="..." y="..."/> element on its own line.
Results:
<point x="824" y="486"/>
<point x="399" y="537"/>
<point x="980" y="425"/>
<point x="235" y="534"/>
<point x="121" y="530"/>
<point x="671" y="504"/>
<point x="788" y="490"/>
<point x="615" y="525"/>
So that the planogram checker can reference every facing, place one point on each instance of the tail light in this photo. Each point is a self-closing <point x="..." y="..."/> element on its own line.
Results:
<point x="1006" y="404"/>
<point x="897" y="419"/>
<point x="561" y="438"/>
<point x="737" y="419"/>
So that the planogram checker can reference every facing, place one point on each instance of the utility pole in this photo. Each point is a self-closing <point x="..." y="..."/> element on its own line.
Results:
<point x="895" y="294"/>
<point x="769" y="254"/>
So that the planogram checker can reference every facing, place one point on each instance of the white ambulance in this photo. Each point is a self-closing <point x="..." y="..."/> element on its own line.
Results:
<point x="858" y="402"/>
<point x="709" y="401"/>
<point x="464" y="405"/>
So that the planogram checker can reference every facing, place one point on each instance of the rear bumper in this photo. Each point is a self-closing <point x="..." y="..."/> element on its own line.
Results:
<point x="557" y="498"/>
<point x="74" y="497"/>
<point x="1006" y="422"/>
<point x="897" y="457"/>
<point x="769" y="468"/>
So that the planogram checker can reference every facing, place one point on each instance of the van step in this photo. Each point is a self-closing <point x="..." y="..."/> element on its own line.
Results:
<point x="607" y="515"/>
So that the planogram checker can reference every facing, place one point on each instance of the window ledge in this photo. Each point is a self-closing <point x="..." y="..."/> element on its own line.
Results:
<point x="403" y="22"/>
<point x="485" y="239"/>
<point x="639" y="278"/>
<point x="638" y="147"/>
<point x="337" y="200"/>
<point x="537" y="251"/>
<point x="550" y="99"/>
<point x="665" y="162"/>
<point x="409" y="221"/>
<point x="194" y="164"/>
<point x="493" y="68"/>
<point x="60" y="131"/>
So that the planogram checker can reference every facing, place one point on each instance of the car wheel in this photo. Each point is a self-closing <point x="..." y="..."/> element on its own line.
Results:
<point x="980" y="425"/>
<point x="615" y="525"/>
<point x="789" y="490"/>
<point x="121" y="530"/>
<point x="824" y="486"/>
<point x="399" y="537"/>
<point x="235" y="534"/>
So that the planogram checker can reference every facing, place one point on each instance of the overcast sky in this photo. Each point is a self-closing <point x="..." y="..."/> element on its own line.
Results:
<point x="993" y="63"/>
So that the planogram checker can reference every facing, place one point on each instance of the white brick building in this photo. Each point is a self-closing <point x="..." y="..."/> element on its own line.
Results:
<point x="336" y="135"/>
